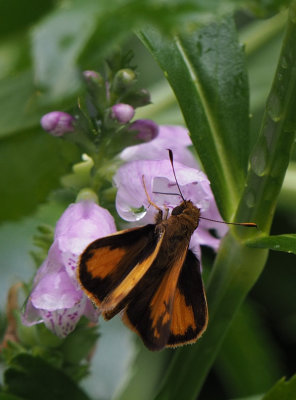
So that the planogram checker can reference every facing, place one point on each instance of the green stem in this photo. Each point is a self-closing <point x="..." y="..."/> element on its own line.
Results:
<point x="237" y="267"/>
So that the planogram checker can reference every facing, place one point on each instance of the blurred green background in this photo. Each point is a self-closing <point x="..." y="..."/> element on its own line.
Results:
<point x="43" y="48"/>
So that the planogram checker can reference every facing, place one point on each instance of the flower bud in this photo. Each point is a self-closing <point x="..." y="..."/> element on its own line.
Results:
<point x="146" y="129"/>
<point x="123" y="113"/>
<point x="57" y="123"/>
<point x="138" y="98"/>
<point x="93" y="77"/>
<point x="124" y="79"/>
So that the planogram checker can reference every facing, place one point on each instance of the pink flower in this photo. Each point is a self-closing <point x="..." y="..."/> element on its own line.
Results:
<point x="175" y="138"/>
<point x="132" y="203"/>
<point x="56" y="298"/>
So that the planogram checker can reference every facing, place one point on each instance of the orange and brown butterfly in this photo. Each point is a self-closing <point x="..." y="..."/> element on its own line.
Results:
<point x="150" y="275"/>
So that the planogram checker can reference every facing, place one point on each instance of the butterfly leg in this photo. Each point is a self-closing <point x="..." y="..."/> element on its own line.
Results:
<point x="149" y="199"/>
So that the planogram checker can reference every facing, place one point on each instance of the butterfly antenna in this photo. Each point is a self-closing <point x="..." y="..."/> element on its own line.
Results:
<point x="174" y="172"/>
<point x="248" y="224"/>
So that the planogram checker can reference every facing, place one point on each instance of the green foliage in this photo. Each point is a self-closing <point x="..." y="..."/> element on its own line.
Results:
<point x="43" y="160"/>
<point x="279" y="243"/>
<point x="282" y="390"/>
<point x="33" y="378"/>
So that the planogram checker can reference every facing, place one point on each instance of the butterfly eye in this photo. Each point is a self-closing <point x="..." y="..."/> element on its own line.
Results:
<point x="179" y="209"/>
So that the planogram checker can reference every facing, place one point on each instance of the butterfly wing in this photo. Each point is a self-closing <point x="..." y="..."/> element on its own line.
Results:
<point x="110" y="267"/>
<point x="150" y="309"/>
<point x="189" y="316"/>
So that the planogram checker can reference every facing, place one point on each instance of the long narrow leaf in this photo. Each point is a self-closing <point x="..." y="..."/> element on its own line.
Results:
<point x="206" y="71"/>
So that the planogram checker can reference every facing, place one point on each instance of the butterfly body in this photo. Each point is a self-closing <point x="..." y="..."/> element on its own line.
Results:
<point x="150" y="274"/>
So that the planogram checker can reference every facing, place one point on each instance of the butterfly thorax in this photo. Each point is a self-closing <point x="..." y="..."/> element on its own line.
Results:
<point x="182" y="222"/>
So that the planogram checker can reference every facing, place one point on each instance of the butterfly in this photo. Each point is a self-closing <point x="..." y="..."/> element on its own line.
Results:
<point x="150" y="275"/>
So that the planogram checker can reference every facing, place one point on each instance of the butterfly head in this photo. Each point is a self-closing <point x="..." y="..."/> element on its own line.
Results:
<point x="189" y="211"/>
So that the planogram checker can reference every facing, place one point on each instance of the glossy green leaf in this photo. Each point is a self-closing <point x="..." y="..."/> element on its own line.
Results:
<point x="33" y="378"/>
<point x="277" y="242"/>
<point x="206" y="71"/>
<point x="282" y="390"/>
<point x="31" y="166"/>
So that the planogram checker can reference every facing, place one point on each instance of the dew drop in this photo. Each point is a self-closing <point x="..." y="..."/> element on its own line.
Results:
<point x="284" y="63"/>
<point x="250" y="199"/>
<point x="274" y="108"/>
<point x="138" y="213"/>
<point x="259" y="159"/>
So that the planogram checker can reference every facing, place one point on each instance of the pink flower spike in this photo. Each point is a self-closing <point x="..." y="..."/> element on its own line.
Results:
<point x="57" y="123"/>
<point x="57" y="299"/>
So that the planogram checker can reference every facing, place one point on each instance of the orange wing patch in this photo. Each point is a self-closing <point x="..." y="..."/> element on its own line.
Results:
<point x="190" y="311"/>
<point x="104" y="261"/>
<point x="183" y="316"/>
<point x="130" y="281"/>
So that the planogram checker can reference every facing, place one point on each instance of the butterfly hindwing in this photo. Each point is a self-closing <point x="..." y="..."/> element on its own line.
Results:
<point x="111" y="266"/>
<point x="171" y="309"/>
<point x="150" y="309"/>
<point x="190" y="313"/>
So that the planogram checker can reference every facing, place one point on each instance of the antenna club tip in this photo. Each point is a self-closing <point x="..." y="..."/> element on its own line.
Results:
<point x="170" y="154"/>
<point x="250" y="224"/>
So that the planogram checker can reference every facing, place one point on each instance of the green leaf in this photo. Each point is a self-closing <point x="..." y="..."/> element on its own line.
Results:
<point x="206" y="71"/>
<point x="285" y="242"/>
<point x="249" y="359"/>
<point x="79" y="343"/>
<point x="32" y="164"/>
<point x="282" y="390"/>
<point x="35" y="379"/>
<point x="270" y="156"/>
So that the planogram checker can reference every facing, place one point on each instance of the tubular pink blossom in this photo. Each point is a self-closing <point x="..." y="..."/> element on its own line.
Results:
<point x="56" y="298"/>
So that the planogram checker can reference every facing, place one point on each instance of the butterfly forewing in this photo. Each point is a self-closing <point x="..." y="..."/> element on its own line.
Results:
<point x="107" y="262"/>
